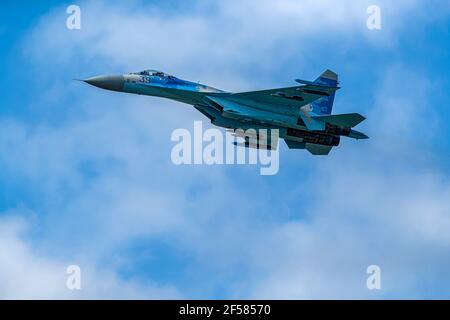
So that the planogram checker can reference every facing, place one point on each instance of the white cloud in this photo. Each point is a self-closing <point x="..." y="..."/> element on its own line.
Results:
<point x="214" y="43"/>
<point x="360" y="217"/>
<point x="27" y="274"/>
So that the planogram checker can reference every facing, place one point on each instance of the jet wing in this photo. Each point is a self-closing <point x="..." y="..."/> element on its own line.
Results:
<point x="291" y="96"/>
<point x="344" y="120"/>
<point x="243" y="111"/>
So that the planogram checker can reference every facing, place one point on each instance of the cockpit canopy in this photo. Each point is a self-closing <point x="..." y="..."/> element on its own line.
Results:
<point x="155" y="73"/>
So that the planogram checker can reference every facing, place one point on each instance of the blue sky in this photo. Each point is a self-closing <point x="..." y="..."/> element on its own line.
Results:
<point x="87" y="179"/>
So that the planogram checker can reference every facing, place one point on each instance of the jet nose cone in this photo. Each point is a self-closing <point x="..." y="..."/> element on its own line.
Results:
<point x="114" y="83"/>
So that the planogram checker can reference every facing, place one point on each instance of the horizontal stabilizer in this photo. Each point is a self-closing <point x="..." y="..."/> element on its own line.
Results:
<point x="318" y="149"/>
<point x="295" y="144"/>
<point x="348" y="120"/>
<point x="357" y="135"/>
<point x="315" y="149"/>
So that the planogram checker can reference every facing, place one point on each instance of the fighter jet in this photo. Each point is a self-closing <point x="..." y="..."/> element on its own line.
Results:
<point x="301" y="113"/>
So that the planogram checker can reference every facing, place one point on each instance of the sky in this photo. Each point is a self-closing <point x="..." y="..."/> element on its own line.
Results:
<point x="86" y="177"/>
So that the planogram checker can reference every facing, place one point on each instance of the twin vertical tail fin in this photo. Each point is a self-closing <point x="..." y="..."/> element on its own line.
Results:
<point x="324" y="105"/>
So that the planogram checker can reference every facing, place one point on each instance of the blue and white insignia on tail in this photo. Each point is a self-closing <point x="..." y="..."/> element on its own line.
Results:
<point x="324" y="105"/>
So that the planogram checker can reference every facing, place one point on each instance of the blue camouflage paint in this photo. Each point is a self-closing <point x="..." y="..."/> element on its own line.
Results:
<point x="324" y="105"/>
